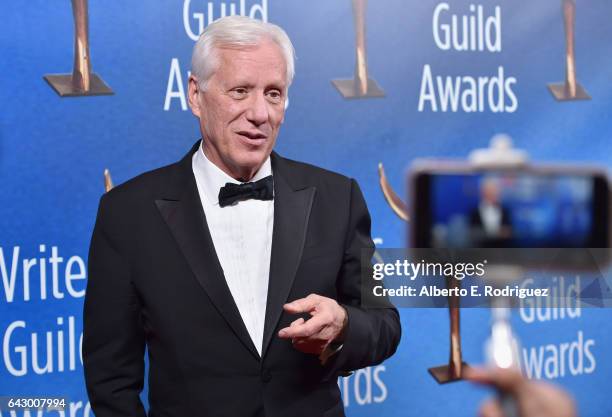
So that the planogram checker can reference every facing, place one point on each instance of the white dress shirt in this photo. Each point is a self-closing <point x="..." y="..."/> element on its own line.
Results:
<point x="242" y="236"/>
<point x="491" y="216"/>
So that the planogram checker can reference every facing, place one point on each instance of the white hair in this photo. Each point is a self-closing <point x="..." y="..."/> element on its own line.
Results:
<point x="237" y="32"/>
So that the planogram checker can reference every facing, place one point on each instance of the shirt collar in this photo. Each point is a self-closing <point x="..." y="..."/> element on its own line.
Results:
<point x="212" y="178"/>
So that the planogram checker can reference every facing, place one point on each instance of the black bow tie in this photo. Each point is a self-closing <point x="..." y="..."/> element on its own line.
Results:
<point x="258" y="190"/>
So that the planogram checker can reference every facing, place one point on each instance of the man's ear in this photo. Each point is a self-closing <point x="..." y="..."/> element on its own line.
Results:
<point x="193" y="91"/>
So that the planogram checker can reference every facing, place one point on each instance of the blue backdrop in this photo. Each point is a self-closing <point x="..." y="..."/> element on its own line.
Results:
<point x="53" y="151"/>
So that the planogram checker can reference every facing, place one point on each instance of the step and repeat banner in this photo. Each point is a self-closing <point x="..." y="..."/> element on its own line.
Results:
<point x="434" y="79"/>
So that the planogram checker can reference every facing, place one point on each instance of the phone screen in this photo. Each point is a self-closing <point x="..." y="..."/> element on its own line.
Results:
<point x="511" y="209"/>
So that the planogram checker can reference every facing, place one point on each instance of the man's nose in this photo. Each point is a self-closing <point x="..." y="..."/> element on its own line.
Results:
<point x="257" y="113"/>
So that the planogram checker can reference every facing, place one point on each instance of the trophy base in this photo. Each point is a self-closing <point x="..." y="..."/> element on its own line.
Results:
<point x="561" y="93"/>
<point x="63" y="86"/>
<point x="348" y="89"/>
<point x="442" y="373"/>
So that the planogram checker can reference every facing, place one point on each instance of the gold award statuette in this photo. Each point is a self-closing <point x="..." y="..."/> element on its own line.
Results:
<point x="453" y="370"/>
<point x="361" y="86"/>
<point x="82" y="82"/>
<point x="108" y="181"/>
<point x="570" y="89"/>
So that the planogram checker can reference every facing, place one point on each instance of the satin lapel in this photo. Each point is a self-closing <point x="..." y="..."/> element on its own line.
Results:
<point x="185" y="218"/>
<point x="291" y="214"/>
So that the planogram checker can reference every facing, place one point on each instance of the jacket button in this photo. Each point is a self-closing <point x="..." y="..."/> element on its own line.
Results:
<point x="266" y="376"/>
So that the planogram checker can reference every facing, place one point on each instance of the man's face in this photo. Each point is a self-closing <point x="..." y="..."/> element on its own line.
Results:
<point x="490" y="193"/>
<point x="242" y="108"/>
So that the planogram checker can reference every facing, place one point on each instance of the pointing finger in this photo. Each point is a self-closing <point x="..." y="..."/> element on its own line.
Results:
<point x="302" y="305"/>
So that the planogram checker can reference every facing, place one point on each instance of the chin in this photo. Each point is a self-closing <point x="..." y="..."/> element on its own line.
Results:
<point x="252" y="160"/>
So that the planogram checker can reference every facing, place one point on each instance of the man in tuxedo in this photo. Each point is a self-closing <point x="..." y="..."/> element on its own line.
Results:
<point x="239" y="270"/>
<point x="490" y="220"/>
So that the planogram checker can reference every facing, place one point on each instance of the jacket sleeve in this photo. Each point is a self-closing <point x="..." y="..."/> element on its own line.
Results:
<point x="374" y="329"/>
<point x="113" y="338"/>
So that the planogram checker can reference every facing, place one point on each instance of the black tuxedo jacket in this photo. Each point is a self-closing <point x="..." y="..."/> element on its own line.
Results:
<point x="480" y="238"/>
<point x="155" y="281"/>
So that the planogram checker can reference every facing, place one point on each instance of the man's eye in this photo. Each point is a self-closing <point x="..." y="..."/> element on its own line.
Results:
<point x="275" y="95"/>
<point x="239" y="92"/>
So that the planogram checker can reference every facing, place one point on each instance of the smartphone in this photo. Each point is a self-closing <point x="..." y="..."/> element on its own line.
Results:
<point x="455" y="205"/>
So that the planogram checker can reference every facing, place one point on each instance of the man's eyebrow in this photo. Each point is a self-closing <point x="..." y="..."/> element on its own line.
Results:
<point x="279" y="85"/>
<point x="237" y="84"/>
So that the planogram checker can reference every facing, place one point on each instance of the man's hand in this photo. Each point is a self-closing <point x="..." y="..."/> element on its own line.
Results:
<point x="533" y="399"/>
<point x="327" y="324"/>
